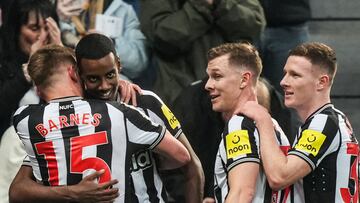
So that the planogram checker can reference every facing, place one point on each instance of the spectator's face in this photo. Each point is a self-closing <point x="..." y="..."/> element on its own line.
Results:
<point x="299" y="83"/>
<point x="223" y="85"/>
<point x="100" y="77"/>
<point x="31" y="31"/>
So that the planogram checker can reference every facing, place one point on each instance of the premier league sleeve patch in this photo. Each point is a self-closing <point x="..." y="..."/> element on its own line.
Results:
<point x="310" y="142"/>
<point x="237" y="143"/>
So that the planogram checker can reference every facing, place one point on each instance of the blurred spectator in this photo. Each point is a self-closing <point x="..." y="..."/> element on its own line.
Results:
<point x="203" y="128"/>
<point x="29" y="25"/>
<point x="114" y="18"/>
<point x="286" y="28"/>
<point x="4" y="7"/>
<point x="180" y="33"/>
<point x="25" y="29"/>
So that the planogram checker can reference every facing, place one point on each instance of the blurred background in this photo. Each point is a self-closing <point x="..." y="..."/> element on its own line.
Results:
<point x="337" y="23"/>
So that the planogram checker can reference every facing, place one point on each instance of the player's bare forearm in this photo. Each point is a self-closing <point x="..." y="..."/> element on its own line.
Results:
<point x="194" y="175"/>
<point x="281" y="170"/>
<point x="25" y="189"/>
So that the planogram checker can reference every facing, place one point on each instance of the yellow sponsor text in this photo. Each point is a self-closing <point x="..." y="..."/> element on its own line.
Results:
<point x="310" y="141"/>
<point x="170" y="117"/>
<point x="237" y="143"/>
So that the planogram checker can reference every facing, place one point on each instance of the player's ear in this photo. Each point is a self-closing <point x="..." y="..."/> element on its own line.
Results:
<point x="324" y="81"/>
<point x="245" y="78"/>
<point x="73" y="73"/>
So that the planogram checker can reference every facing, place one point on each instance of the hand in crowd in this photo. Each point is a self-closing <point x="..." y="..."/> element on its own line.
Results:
<point x="41" y="41"/>
<point x="128" y="91"/>
<point x="211" y="2"/>
<point x="53" y="36"/>
<point x="90" y="191"/>
<point x="67" y="8"/>
<point x="54" y="31"/>
<point x="208" y="200"/>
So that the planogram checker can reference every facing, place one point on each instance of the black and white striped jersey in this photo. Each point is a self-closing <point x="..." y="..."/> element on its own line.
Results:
<point x="147" y="185"/>
<point x="69" y="138"/>
<point x="240" y="144"/>
<point x="326" y="142"/>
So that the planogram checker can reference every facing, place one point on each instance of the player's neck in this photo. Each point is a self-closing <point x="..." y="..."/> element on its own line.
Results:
<point x="312" y="106"/>
<point x="59" y="91"/>
<point x="248" y="94"/>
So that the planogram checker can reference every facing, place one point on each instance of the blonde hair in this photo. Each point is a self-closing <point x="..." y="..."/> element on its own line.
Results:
<point x="44" y="63"/>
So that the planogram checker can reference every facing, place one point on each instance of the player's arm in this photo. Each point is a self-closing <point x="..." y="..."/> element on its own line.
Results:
<point x="193" y="172"/>
<point x="194" y="175"/>
<point x="280" y="170"/>
<point x="25" y="189"/>
<point x="242" y="182"/>
<point x="172" y="149"/>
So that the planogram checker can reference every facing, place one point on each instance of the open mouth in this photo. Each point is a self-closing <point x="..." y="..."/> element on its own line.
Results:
<point x="213" y="97"/>
<point x="105" y="95"/>
<point x="287" y="93"/>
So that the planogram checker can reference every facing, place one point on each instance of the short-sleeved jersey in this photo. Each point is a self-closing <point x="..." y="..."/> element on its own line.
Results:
<point x="147" y="185"/>
<point x="240" y="144"/>
<point x="326" y="142"/>
<point x="69" y="138"/>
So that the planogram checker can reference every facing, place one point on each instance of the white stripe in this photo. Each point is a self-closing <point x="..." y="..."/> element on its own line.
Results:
<point x="119" y="142"/>
<point x="81" y="107"/>
<point x="51" y="111"/>
<point x="23" y="132"/>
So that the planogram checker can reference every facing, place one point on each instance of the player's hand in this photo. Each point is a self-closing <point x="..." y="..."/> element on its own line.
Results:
<point x="54" y="31"/>
<point x="90" y="191"/>
<point x="128" y="91"/>
<point x="253" y="110"/>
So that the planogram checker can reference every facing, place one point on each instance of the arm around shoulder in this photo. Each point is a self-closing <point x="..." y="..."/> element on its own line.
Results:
<point x="194" y="175"/>
<point x="25" y="189"/>
<point x="171" y="148"/>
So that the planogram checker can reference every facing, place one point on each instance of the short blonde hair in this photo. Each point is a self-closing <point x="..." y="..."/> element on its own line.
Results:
<point x="44" y="62"/>
<point x="242" y="55"/>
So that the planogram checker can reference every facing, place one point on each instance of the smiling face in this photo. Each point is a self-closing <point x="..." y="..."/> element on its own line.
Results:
<point x="31" y="31"/>
<point x="299" y="82"/>
<point x="223" y="84"/>
<point x="101" y="77"/>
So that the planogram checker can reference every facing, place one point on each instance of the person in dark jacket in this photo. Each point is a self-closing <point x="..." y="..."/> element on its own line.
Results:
<point x="286" y="28"/>
<point x="29" y="25"/>
<point x="180" y="33"/>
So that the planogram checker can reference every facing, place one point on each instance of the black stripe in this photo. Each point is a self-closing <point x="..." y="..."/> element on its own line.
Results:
<point x="133" y="196"/>
<point x="150" y="184"/>
<point x="67" y="133"/>
<point x="104" y="151"/>
<point x="164" y="194"/>
<point x="24" y="113"/>
<point x="127" y="164"/>
<point x="268" y="193"/>
<point x="36" y="116"/>
<point x="249" y="125"/>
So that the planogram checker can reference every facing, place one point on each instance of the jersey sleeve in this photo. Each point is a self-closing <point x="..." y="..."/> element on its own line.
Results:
<point x="240" y="142"/>
<point x="26" y="161"/>
<point x="142" y="130"/>
<point x="159" y="112"/>
<point x="319" y="138"/>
